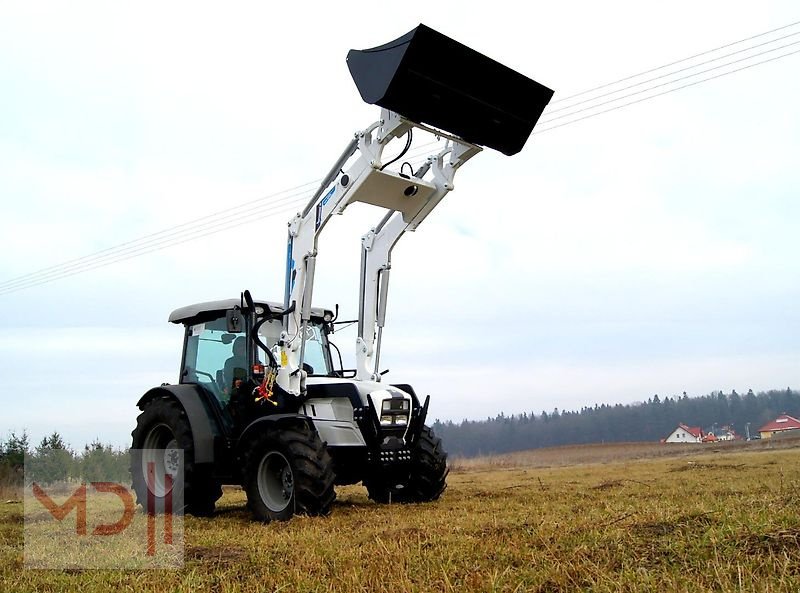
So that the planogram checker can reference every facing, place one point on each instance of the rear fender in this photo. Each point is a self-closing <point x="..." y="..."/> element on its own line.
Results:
<point x="204" y="425"/>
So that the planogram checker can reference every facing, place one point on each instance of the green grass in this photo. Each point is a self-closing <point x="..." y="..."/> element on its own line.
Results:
<point x="698" y="521"/>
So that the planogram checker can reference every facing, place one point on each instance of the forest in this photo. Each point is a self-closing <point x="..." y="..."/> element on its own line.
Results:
<point x="652" y="420"/>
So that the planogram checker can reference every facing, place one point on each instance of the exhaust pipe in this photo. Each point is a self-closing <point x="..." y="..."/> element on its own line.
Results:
<point x="429" y="78"/>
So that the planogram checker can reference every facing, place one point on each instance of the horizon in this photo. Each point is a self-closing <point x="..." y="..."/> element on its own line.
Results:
<point x="34" y="440"/>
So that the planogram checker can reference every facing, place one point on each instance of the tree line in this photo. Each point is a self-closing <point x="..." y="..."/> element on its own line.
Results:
<point x="652" y="420"/>
<point x="52" y="460"/>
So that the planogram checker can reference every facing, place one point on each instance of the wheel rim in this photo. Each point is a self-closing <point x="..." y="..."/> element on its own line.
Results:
<point x="162" y="451"/>
<point x="275" y="481"/>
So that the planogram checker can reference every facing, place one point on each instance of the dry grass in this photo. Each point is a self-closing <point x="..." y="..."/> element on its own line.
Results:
<point x="571" y="455"/>
<point x="708" y="519"/>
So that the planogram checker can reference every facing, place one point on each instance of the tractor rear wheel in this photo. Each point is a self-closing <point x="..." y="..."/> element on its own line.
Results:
<point x="287" y="470"/>
<point x="162" y="432"/>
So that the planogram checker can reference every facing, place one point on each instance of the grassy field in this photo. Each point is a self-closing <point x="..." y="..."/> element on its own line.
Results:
<point x="598" y="518"/>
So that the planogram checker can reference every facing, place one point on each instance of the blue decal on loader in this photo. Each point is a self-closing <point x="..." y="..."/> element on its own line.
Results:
<point x="322" y="202"/>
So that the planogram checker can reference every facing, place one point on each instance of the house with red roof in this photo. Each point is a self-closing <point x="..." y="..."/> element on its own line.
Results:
<point x="714" y="434"/>
<point x="781" y="424"/>
<point x="685" y="434"/>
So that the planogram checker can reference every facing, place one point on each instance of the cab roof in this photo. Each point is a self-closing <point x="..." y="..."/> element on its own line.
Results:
<point x="209" y="310"/>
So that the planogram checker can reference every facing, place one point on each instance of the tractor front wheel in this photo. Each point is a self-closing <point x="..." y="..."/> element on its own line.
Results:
<point x="427" y="477"/>
<point x="287" y="470"/>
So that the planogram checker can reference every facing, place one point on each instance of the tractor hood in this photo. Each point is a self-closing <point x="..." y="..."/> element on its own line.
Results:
<point x="320" y="387"/>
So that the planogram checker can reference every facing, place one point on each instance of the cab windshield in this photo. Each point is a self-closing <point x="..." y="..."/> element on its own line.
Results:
<point x="316" y="354"/>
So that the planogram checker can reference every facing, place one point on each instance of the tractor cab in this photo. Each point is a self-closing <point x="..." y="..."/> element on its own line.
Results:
<point x="219" y="356"/>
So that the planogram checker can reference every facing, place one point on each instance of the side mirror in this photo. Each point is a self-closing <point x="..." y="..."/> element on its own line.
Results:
<point x="234" y="321"/>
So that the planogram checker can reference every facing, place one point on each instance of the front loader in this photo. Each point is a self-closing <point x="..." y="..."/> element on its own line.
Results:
<point x="263" y="400"/>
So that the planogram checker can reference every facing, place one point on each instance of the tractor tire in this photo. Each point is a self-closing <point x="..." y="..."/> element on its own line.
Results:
<point x="286" y="471"/>
<point x="427" y="477"/>
<point x="163" y="427"/>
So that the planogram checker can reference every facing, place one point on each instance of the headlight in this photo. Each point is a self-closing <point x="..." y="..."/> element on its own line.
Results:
<point x="394" y="420"/>
<point x="395" y="411"/>
<point x="394" y="405"/>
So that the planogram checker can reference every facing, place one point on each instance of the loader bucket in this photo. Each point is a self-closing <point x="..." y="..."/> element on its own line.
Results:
<point x="429" y="78"/>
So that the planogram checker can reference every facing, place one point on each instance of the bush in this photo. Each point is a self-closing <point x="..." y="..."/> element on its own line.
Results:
<point x="50" y="462"/>
<point x="103" y="463"/>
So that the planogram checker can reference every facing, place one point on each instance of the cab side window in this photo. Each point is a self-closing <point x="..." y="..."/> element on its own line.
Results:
<point x="215" y="358"/>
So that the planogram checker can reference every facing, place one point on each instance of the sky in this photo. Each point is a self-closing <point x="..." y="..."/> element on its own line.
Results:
<point x="648" y="250"/>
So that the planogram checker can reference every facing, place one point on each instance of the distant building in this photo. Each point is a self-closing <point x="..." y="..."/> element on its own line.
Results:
<point x="781" y="424"/>
<point x="726" y="433"/>
<point x="685" y="434"/>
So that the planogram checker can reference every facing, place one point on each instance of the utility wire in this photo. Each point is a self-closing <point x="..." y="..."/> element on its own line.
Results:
<point x="561" y="125"/>
<point x="144" y="250"/>
<point x="704" y="53"/>
<point x="274" y="204"/>
<point x="172" y="235"/>
<point x="158" y="233"/>
<point x="663" y="84"/>
<point x="631" y="86"/>
<point x="155" y="239"/>
<point x="164" y="243"/>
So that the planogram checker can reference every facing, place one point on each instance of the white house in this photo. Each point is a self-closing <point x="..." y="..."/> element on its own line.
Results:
<point x="685" y="434"/>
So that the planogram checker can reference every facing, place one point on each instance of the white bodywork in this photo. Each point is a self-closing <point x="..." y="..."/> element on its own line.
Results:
<point x="333" y="419"/>
<point x="333" y="416"/>
<point x="407" y="200"/>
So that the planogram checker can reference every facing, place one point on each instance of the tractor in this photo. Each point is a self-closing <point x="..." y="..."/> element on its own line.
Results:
<point x="263" y="399"/>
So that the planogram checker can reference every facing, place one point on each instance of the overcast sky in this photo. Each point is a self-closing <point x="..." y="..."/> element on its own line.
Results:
<point x="652" y="249"/>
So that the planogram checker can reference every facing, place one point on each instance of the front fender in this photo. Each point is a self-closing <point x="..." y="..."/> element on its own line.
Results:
<point x="267" y="422"/>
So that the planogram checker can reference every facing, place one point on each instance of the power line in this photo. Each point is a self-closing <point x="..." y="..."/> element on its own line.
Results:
<point x="663" y="84"/>
<point x="625" y="88"/>
<point x="153" y="239"/>
<point x="704" y="53"/>
<point x="170" y="236"/>
<point x="155" y="234"/>
<point x="159" y="245"/>
<point x="93" y="265"/>
<point x="268" y="206"/>
<point x="561" y="125"/>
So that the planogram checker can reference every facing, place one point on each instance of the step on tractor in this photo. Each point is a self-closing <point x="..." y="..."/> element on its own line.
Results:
<point x="263" y="400"/>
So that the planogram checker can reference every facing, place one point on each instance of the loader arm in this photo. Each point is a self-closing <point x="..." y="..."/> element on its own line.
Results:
<point x="376" y="254"/>
<point x="406" y="200"/>
<point x="422" y="81"/>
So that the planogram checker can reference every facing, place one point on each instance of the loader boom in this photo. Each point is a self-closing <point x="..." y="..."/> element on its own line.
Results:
<point x="440" y="82"/>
